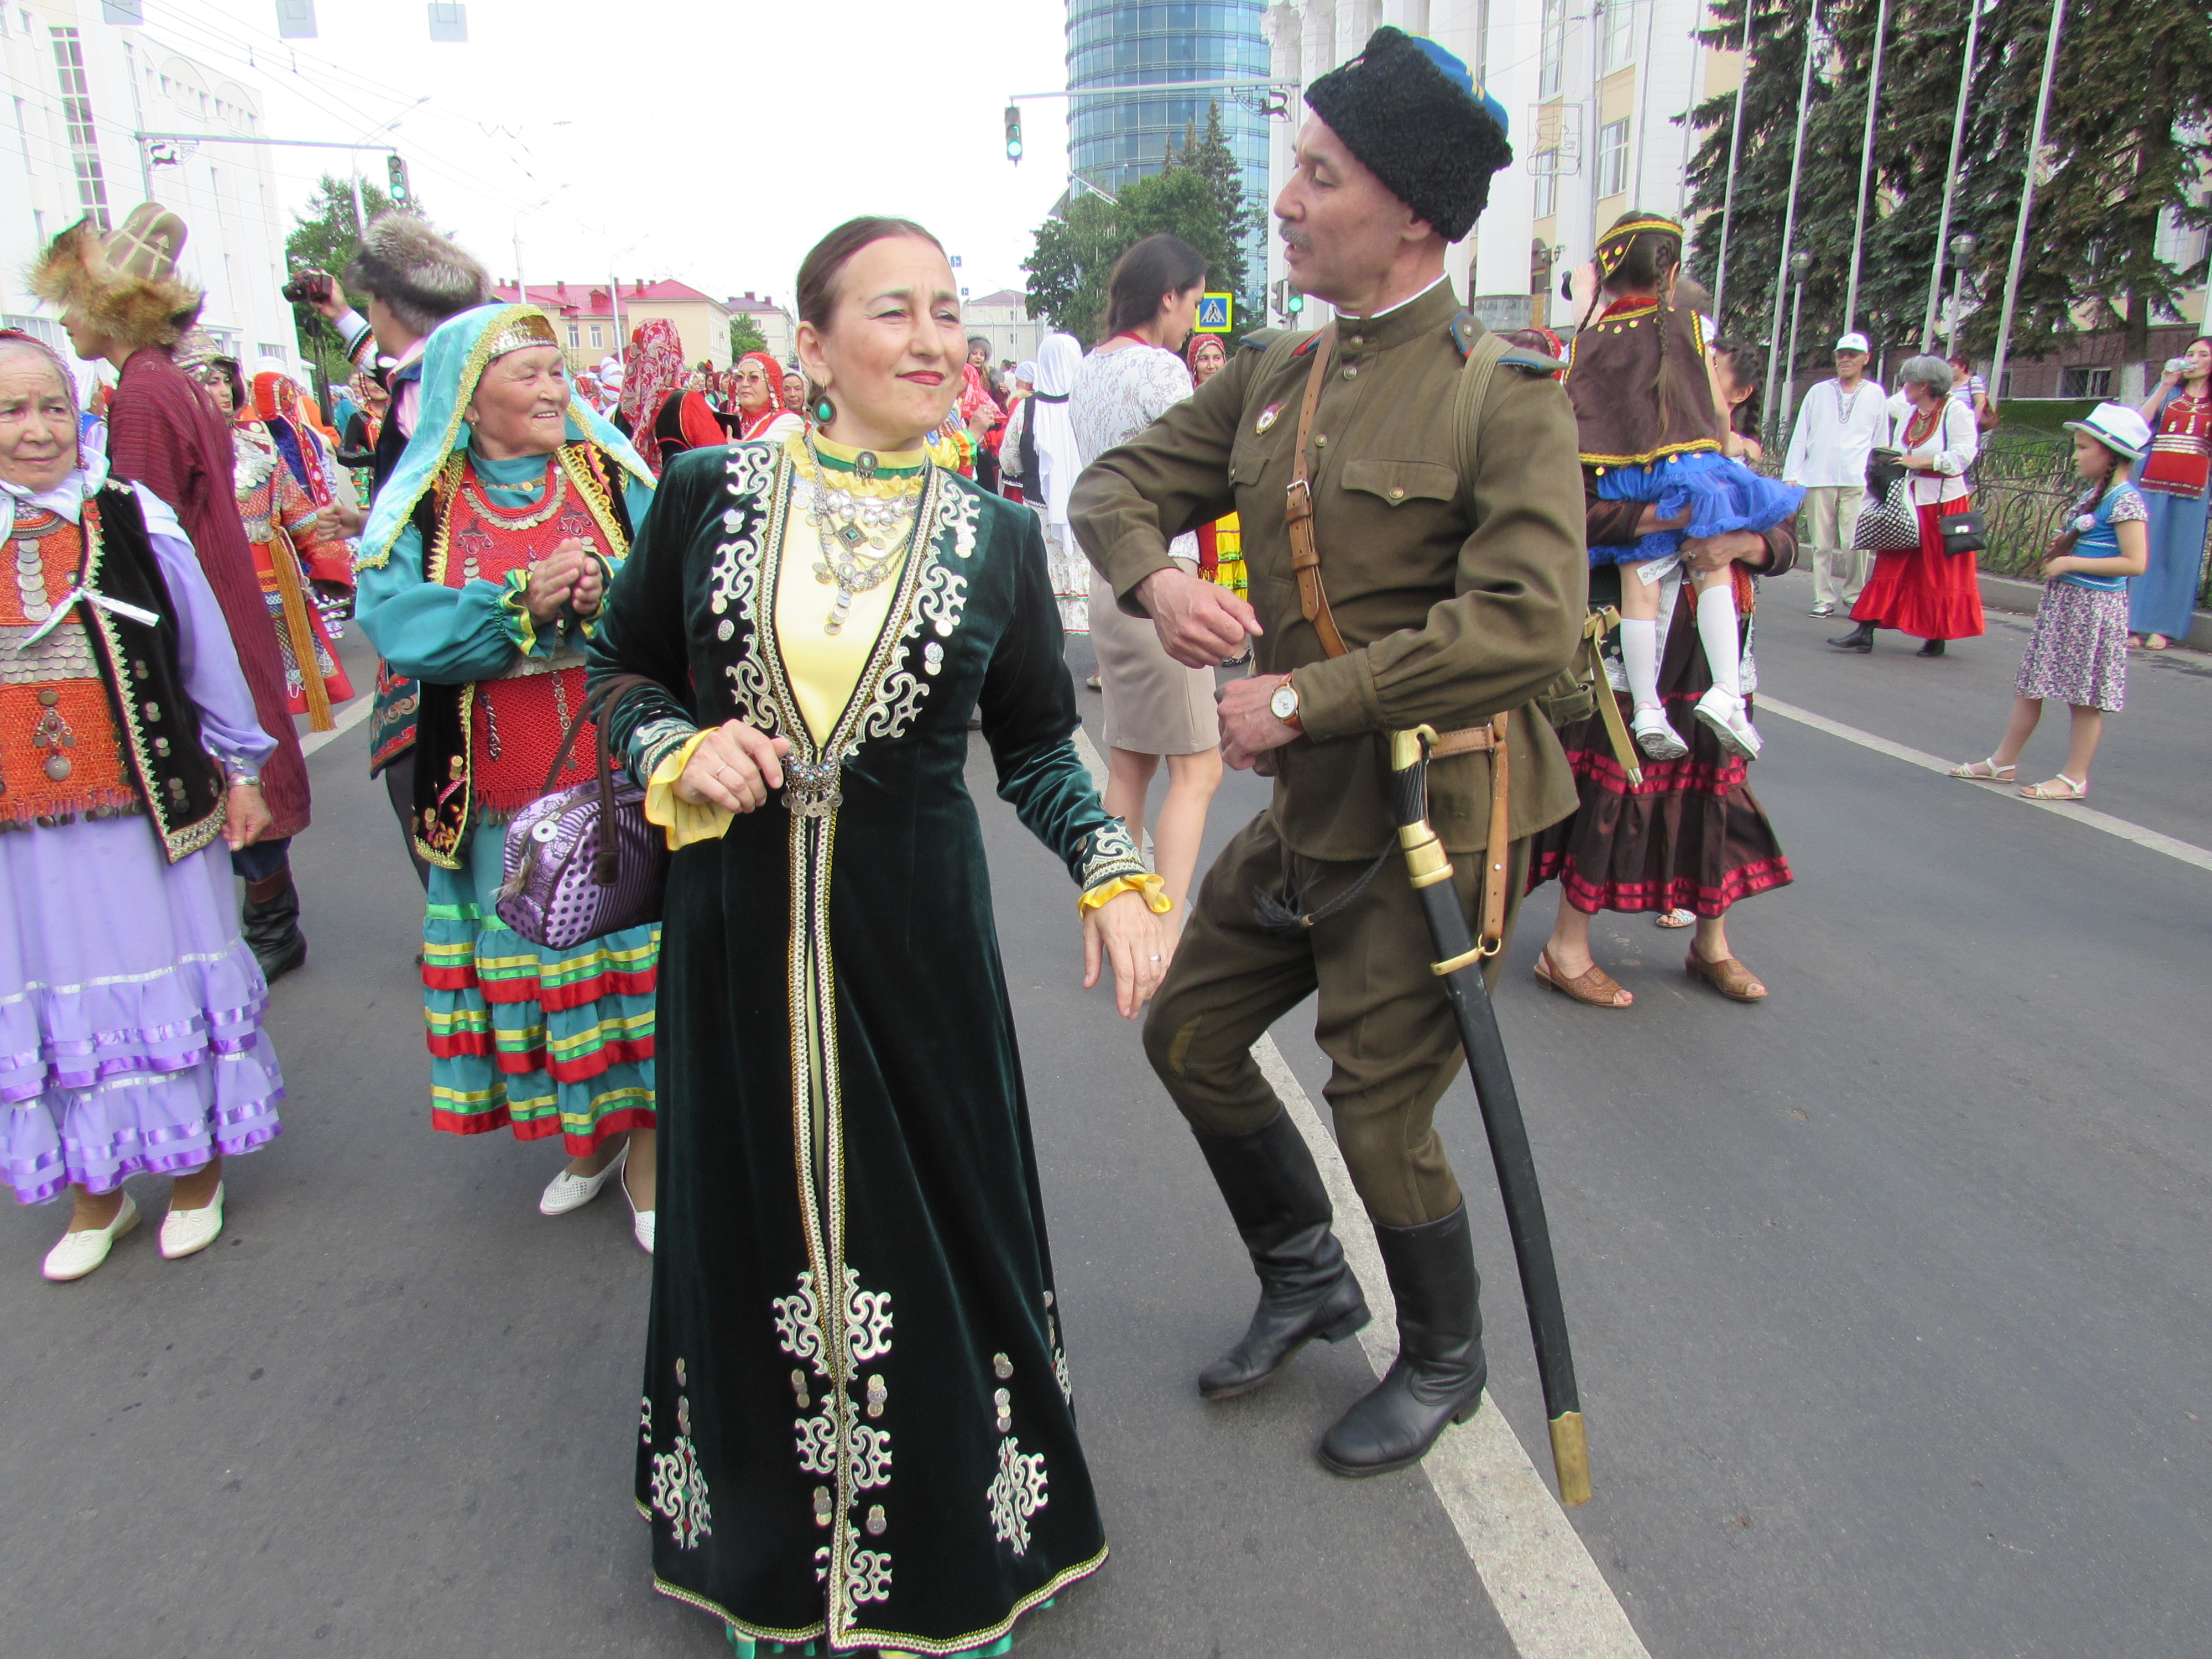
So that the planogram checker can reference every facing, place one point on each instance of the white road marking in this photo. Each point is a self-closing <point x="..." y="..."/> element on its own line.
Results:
<point x="1549" y="1594"/>
<point x="349" y="716"/>
<point x="2187" y="852"/>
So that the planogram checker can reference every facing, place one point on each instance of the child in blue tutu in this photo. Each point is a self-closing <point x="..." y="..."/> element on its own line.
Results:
<point x="1651" y="430"/>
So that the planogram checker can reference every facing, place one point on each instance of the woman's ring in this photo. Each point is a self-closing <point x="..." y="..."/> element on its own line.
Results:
<point x="1151" y="958"/>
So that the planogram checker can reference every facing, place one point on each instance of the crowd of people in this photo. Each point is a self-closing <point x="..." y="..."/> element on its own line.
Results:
<point x="801" y="586"/>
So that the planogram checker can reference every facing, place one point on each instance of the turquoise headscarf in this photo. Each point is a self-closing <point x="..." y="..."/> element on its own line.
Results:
<point x="453" y="363"/>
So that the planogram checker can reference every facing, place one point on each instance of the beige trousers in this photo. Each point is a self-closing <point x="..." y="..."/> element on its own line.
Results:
<point x="1831" y="513"/>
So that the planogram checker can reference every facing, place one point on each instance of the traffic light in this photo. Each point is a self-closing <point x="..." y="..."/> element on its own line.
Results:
<point x="1014" y="133"/>
<point x="1296" y="302"/>
<point x="1288" y="300"/>
<point x="396" y="185"/>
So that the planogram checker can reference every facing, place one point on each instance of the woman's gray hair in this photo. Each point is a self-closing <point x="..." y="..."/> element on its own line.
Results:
<point x="1927" y="370"/>
<point x="18" y="340"/>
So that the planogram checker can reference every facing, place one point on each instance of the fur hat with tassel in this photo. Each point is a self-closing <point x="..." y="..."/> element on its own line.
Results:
<point x="125" y="283"/>
<point x="424" y="277"/>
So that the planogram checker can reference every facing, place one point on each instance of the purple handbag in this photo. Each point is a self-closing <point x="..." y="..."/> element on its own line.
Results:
<point x="584" y="861"/>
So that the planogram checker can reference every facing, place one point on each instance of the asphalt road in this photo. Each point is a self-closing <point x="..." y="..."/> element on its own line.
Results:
<point x="1887" y="1294"/>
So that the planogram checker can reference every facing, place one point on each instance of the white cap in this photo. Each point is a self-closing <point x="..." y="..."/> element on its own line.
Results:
<point x="1854" y="341"/>
<point x="2118" y="428"/>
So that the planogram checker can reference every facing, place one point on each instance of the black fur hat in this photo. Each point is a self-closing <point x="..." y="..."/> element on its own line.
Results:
<point x="1427" y="134"/>
<point x="424" y="277"/>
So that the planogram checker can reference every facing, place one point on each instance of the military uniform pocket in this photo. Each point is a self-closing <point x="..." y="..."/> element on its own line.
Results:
<point x="1396" y="482"/>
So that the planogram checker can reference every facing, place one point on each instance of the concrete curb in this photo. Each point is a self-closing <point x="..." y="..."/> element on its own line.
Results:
<point x="2010" y="593"/>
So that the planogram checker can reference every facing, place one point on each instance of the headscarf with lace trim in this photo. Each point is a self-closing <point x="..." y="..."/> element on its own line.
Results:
<point x="455" y="360"/>
<point x="652" y="371"/>
<point x="752" y="426"/>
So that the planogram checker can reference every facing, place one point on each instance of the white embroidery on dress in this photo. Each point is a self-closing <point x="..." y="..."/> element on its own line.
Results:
<point x="645" y="1421"/>
<point x="1017" y="1492"/>
<point x="939" y="602"/>
<point x="868" y="1577"/>
<point x="679" y="1486"/>
<point x="751" y="469"/>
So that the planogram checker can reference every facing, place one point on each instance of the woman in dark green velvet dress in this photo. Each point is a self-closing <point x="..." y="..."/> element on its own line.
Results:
<point x="858" y="1421"/>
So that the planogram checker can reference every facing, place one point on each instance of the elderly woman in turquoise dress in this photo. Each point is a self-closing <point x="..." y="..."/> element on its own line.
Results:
<point x="857" y="1427"/>
<point x="481" y="575"/>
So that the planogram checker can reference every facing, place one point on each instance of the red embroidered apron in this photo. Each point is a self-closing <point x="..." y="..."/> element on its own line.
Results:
<point x="60" y="753"/>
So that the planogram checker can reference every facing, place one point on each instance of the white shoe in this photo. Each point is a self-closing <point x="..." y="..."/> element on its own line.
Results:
<point x="1656" y="738"/>
<point x="567" y="1192"/>
<point x="1724" y="714"/>
<point x="640" y="1221"/>
<point x="79" y="1253"/>
<point x="1823" y="609"/>
<point x="187" y="1232"/>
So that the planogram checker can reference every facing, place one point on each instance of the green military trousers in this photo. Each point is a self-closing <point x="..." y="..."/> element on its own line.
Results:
<point x="1383" y="1021"/>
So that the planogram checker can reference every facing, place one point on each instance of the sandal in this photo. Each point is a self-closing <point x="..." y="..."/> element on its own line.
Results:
<point x="1675" y="917"/>
<point x="2061" y="787"/>
<point x="1728" y="977"/>
<point x="1986" y="771"/>
<point x="2156" y="642"/>
<point x="1593" y="986"/>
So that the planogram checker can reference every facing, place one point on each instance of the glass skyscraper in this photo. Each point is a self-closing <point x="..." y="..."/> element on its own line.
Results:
<point x="1113" y="141"/>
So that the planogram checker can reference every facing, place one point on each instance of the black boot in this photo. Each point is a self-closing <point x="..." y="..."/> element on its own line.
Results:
<point x="1932" y="648"/>
<point x="1307" y="1288"/>
<point x="1438" y="1375"/>
<point x="272" y="921"/>
<point x="1861" y="638"/>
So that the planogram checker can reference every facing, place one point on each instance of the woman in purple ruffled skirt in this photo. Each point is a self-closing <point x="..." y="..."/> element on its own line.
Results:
<point x="130" y="1009"/>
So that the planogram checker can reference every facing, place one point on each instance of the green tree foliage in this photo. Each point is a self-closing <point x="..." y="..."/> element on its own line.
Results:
<point x="324" y="238"/>
<point x="2113" y="161"/>
<point x="745" y="336"/>
<point x="1197" y="195"/>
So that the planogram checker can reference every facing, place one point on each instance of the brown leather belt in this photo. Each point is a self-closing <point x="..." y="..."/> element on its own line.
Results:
<point x="1313" y="604"/>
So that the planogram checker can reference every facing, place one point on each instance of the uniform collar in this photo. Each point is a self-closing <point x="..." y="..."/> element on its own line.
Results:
<point x="1427" y="312"/>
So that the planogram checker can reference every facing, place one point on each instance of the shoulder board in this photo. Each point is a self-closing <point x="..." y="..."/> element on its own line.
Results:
<point x="1531" y="362"/>
<point x="1261" y="338"/>
<point x="1466" y="328"/>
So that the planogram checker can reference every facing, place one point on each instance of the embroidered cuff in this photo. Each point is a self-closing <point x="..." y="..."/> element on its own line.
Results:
<point x="1154" y="889"/>
<point x="684" y="821"/>
<point x="654" y="740"/>
<point x="522" y="627"/>
<point x="1112" y="855"/>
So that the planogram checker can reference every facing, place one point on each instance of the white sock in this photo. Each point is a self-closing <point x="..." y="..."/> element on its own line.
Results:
<point x="1639" y="655"/>
<point x="1716" y="631"/>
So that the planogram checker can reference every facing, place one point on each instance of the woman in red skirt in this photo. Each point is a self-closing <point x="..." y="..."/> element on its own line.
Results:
<point x="1924" y="591"/>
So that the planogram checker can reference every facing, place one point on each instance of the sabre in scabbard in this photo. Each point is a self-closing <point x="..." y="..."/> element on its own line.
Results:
<point x="1458" y="963"/>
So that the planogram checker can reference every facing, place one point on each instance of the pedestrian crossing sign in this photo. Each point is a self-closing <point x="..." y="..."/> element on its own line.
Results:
<point x="1213" y="313"/>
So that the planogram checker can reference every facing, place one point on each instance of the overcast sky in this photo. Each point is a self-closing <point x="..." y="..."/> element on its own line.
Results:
<point x="710" y="142"/>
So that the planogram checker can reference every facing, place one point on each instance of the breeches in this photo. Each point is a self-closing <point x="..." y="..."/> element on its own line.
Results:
<point x="1383" y="1021"/>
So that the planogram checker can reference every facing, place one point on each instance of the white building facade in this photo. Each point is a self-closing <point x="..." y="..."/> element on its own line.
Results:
<point x="1594" y="93"/>
<point x="79" y="91"/>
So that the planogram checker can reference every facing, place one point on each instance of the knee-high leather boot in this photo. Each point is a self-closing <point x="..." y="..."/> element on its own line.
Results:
<point x="271" y="924"/>
<point x="1307" y="1288"/>
<point x="1438" y="1376"/>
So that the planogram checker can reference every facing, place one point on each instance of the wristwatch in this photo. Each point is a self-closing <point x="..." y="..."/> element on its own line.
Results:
<point x="1284" y="705"/>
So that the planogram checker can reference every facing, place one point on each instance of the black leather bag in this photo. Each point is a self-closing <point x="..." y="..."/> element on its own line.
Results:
<point x="1963" y="532"/>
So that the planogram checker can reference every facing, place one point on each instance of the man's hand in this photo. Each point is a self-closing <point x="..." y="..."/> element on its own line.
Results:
<point x="1201" y="624"/>
<point x="333" y="304"/>
<point x="1248" y="726"/>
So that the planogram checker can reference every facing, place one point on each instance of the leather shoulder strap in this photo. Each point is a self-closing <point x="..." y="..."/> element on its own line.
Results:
<point x="1483" y="356"/>
<point x="1298" y="509"/>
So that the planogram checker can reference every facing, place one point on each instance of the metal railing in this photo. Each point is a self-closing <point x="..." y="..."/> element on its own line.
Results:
<point x="2023" y="483"/>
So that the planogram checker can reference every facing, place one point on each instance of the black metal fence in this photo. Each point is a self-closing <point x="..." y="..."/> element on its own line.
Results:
<point x="2023" y="482"/>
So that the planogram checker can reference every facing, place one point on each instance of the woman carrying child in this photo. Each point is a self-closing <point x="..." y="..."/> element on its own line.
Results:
<point x="2079" y="651"/>
<point x="1648" y="418"/>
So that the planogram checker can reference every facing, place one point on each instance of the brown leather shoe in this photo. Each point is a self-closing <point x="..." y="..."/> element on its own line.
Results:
<point x="1593" y="986"/>
<point x="1728" y="977"/>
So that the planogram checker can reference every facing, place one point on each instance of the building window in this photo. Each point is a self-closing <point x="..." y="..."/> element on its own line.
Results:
<point x="598" y="337"/>
<point x="271" y="348"/>
<point x="1616" y="34"/>
<point x="575" y="337"/>
<point x="1555" y="48"/>
<point x="1613" y="158"/>
<point x="2086" y="381"/>
<point x="1548" y="184"/>
<point x="84" y="142"/>
<point x="39" y="328"/>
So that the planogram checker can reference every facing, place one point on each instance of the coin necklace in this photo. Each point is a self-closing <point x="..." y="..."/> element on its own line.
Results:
<point x="846" y="523"/>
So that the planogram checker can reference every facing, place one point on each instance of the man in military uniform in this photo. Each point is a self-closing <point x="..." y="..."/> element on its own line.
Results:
<point x="1452" y="588"/>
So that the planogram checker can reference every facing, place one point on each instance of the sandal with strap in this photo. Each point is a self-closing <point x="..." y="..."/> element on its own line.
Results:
<point x="1728" y="977"/>
<point x="1985" y="771"/>
<point x="1593" y="986"/>
<point x="2061" y="787"/>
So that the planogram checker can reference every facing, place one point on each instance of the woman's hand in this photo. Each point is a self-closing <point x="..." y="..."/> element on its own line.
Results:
<point x="1706" y="554"/>
<point x="736" y="769"/>
<point x="2060" y="564"/>
<point x="555" y="580"/>
<point x="1139" y="943"/>
<point x="245" y="816"/>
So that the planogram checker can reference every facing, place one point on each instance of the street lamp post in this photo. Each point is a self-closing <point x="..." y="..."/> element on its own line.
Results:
<point x="2026" y="201"/>
<point x="1800" y="262"/>
<point x="1736" y="149"/>
<point x="1962" y="249"/>
<point x="1789" y="213"/>
<point x="1866" y="167"/>
<point x="1951" y="177"/>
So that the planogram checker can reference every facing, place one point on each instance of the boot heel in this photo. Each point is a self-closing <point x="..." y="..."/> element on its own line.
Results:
<point x="1351" y="1325"/>
<point x="1467" y="1410"/>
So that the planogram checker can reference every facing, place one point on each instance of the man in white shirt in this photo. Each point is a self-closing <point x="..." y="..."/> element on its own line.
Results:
<point x="1838" y="424"/>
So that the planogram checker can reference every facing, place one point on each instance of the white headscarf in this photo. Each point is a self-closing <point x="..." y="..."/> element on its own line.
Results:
<point x="1059" y="459"/>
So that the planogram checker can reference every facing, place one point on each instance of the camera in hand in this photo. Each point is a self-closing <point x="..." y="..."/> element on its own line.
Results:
<point x="307" y="287"/>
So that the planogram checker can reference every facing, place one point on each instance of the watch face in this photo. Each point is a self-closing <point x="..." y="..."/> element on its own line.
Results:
<point x="1284" y="702"/>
